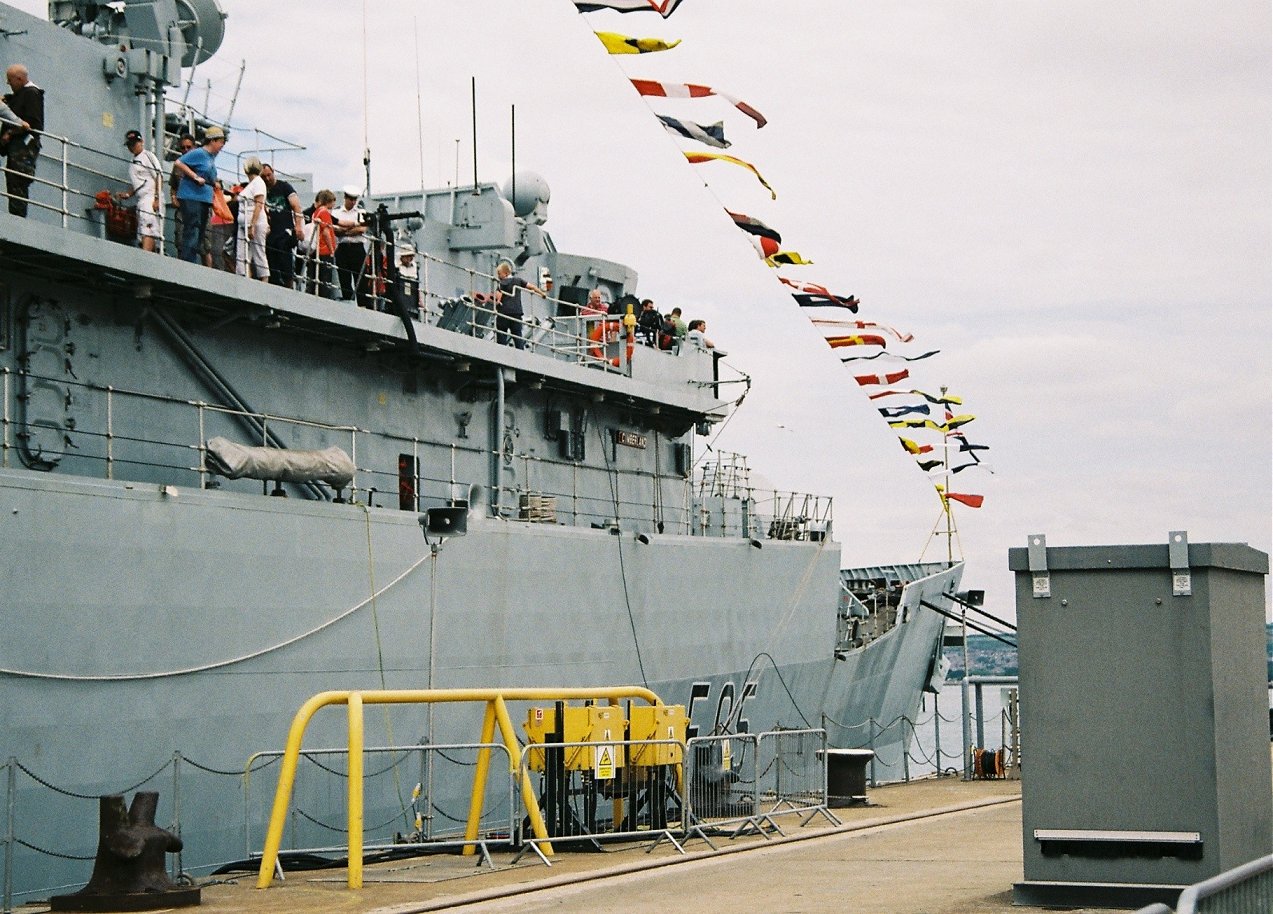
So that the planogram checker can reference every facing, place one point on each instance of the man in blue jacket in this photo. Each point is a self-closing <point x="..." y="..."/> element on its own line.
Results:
<point x="194" y="195"/>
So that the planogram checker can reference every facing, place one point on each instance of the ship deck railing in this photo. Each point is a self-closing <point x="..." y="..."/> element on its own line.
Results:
<point x="88" y="179"/>
<point x="90" y="164"/>
<point x="107" y="450"/>
<point x="764" y="513"/>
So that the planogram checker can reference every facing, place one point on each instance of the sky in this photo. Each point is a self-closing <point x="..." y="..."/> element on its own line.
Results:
<point x="1070" y="200"/>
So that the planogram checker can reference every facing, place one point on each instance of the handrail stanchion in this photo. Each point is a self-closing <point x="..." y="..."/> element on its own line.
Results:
<point x="11" y="767"/>
<point x="355" y="790"/>
<point x="176" y="812"/>
<point x="479" y="779"/>
<point x="979" y="705"/>
<point x="66" y="203"/>
<point x="871" y="745"/>
<point x="906" y="752"/>
<point x="937" y="733"/>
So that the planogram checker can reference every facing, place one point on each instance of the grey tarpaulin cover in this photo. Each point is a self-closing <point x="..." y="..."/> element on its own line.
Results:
<point x="235" y="461"/>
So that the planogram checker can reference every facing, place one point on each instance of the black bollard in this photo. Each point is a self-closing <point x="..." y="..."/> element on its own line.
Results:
<point x="129" y="874"/>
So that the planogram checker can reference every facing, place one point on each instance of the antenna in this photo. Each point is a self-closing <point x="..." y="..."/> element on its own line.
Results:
<point x="366" y="141"/>
<point x="419" y="107"/>
<point x="234" y="99"/>
<point x="473" y="107"/>
<point x="512" y="141"/>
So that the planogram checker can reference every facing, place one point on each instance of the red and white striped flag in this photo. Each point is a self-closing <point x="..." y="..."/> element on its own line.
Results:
<point x="656" y="89"/>
<point x="664" y="8"/>
<point x="888" y="377"/>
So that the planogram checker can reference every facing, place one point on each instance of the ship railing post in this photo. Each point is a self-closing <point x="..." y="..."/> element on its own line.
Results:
<point x="65" y="183"/>
<point x="980" y="709"/>
<point x="176" y="812"/>
<point x="965" y="727"/>
<point x="937" y="732"/>
<point x="906" y="752"/>
<point x="201" y="446"/>
<point x="353" y="455"/>
<point x="110" y="436"/>
<point x="11" y="770"/>
<point x="4" y="433"/>
<point x="871" y="746"/>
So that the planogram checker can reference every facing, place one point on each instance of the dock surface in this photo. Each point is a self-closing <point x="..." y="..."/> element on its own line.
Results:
<point x="929" y="847"/>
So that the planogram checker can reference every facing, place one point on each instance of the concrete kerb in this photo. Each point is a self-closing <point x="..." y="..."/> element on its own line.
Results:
<point x="552" y="882"/>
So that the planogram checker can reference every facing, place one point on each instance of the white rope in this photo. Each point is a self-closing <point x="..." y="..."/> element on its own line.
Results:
<point x="219" y="664"/>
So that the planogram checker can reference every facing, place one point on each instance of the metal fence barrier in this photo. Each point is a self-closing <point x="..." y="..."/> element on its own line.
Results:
<point x="416" y="828"/>
<point x="1245" y="889"/>
<point x="589" y="791"/>
<point x="792" y="775"/>
<point x="721" y="788"/>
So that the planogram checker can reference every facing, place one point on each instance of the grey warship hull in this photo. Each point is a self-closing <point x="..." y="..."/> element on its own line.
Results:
<point x="163" y="621"/>
<point x="245" y="610"/>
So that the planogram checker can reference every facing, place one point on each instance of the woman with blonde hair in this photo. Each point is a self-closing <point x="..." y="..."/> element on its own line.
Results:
<point x="253" y="223"/>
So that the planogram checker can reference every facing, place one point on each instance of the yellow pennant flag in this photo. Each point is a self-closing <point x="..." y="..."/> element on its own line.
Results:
<point x="787" y="258"/>
<point x="622" y="44"/>
<point x="697" y="158"/>
<point x="948" y="426"/>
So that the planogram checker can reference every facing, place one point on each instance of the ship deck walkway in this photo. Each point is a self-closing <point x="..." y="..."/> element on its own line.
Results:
<point x="937" y="846"/>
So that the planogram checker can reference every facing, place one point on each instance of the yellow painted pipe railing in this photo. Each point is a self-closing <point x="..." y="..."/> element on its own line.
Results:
<point x="496" y="715"/>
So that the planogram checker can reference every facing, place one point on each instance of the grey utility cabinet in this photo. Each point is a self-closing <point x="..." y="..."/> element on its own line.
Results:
<point x="1144" y="717"/>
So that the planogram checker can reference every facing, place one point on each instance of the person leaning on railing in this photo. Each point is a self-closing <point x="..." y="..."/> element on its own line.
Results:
<point x="21" y="140"/>
<point x="320" y="256"/>
<point x="508" y="305"/>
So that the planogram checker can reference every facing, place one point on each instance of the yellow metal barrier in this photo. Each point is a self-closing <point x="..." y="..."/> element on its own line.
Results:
<point x="496" y="715"/>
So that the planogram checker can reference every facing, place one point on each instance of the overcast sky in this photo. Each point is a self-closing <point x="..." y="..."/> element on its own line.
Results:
<point x="1070" y="200"/>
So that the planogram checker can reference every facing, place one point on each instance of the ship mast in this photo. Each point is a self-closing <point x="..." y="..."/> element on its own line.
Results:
<point x="952" y="529"/>
<point x="950" y="515"/>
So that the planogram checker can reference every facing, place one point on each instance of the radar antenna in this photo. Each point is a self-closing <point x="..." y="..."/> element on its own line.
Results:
<point x="202" y="24"/>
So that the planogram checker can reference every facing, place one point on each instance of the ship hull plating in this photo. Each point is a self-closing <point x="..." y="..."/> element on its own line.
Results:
<point x="196" y="623"/>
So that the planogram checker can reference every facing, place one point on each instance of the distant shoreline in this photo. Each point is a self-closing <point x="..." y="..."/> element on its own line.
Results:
<point x="988" y="657"/>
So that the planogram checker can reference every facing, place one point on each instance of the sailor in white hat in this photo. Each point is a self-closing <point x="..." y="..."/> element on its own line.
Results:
<point x="350" y="223"/>
<point x="406" y="261"/>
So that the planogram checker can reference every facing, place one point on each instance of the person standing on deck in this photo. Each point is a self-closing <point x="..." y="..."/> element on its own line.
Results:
<point x="508" y="305"/>
<point x="198" y="172"/>
<point x="145" y="177"/>
<point x="283" y="207"/>
<point x="26" y="100"/>
<point x="350" y="227"/>
<point x="184" y="145"/>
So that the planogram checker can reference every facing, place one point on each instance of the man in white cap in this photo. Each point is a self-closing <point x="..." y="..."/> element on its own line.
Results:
<point x="146" y="177"/>
<point x="350" y="223"/>
<point x="406" y="262"/>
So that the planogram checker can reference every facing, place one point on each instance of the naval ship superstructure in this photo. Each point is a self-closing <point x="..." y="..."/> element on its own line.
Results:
<point x="154" y="607"/>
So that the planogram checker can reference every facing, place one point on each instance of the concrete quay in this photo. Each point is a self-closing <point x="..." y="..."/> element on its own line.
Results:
<point x="928" y="847"/>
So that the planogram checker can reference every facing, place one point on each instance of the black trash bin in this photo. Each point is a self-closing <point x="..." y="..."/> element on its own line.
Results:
<point x="846" y="776"/>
